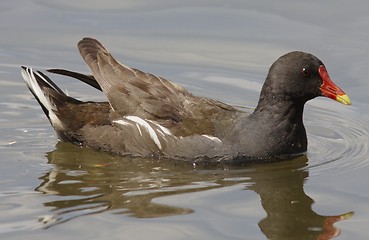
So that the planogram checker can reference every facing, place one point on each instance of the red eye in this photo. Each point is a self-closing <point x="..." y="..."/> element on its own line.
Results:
<point x="306" y="72"/>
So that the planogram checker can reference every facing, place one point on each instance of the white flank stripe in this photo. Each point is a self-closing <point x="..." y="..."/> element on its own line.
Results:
<point x="215" y="139"/>
<point x="148" y="128"/>
<point x="162" y="128"/>
<point x="121" y="122"/>
<point x="139" y="129"/>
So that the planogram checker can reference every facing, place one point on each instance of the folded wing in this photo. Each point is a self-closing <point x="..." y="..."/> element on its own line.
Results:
<point x="131" y="91"/>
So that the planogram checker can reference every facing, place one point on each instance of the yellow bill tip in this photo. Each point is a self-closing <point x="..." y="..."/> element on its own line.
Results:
<point x="347" y="215"/>
<point x="344" y="99"/>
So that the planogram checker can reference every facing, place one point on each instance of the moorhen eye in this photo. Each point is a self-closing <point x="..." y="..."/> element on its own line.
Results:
<point x="306" y="72"/>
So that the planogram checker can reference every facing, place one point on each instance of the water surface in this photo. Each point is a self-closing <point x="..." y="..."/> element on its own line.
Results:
<point x="220" y="50"/>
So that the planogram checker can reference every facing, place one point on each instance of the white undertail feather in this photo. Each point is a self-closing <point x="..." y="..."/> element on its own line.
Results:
<point x="29" y="77"/>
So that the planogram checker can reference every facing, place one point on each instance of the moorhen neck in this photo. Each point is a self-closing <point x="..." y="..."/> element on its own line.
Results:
<point x="149" y="116"/>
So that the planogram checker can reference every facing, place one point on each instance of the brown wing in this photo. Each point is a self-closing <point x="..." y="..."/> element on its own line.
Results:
<point x="131" y="91"/>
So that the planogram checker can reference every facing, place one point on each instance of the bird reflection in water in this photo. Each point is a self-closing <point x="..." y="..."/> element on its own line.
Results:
<point x="84" y="182"/>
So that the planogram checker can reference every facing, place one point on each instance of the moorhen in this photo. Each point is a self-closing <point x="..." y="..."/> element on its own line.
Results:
<point x="149" y="116"/>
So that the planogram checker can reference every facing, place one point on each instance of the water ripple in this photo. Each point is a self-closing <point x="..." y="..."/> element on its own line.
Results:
<point x="338" y="141"/>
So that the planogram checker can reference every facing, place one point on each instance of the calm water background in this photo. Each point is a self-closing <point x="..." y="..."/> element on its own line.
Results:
<point x="219" y="49"/>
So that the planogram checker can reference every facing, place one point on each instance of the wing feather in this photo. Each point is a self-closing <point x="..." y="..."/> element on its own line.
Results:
<point x="131" y="91"/>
